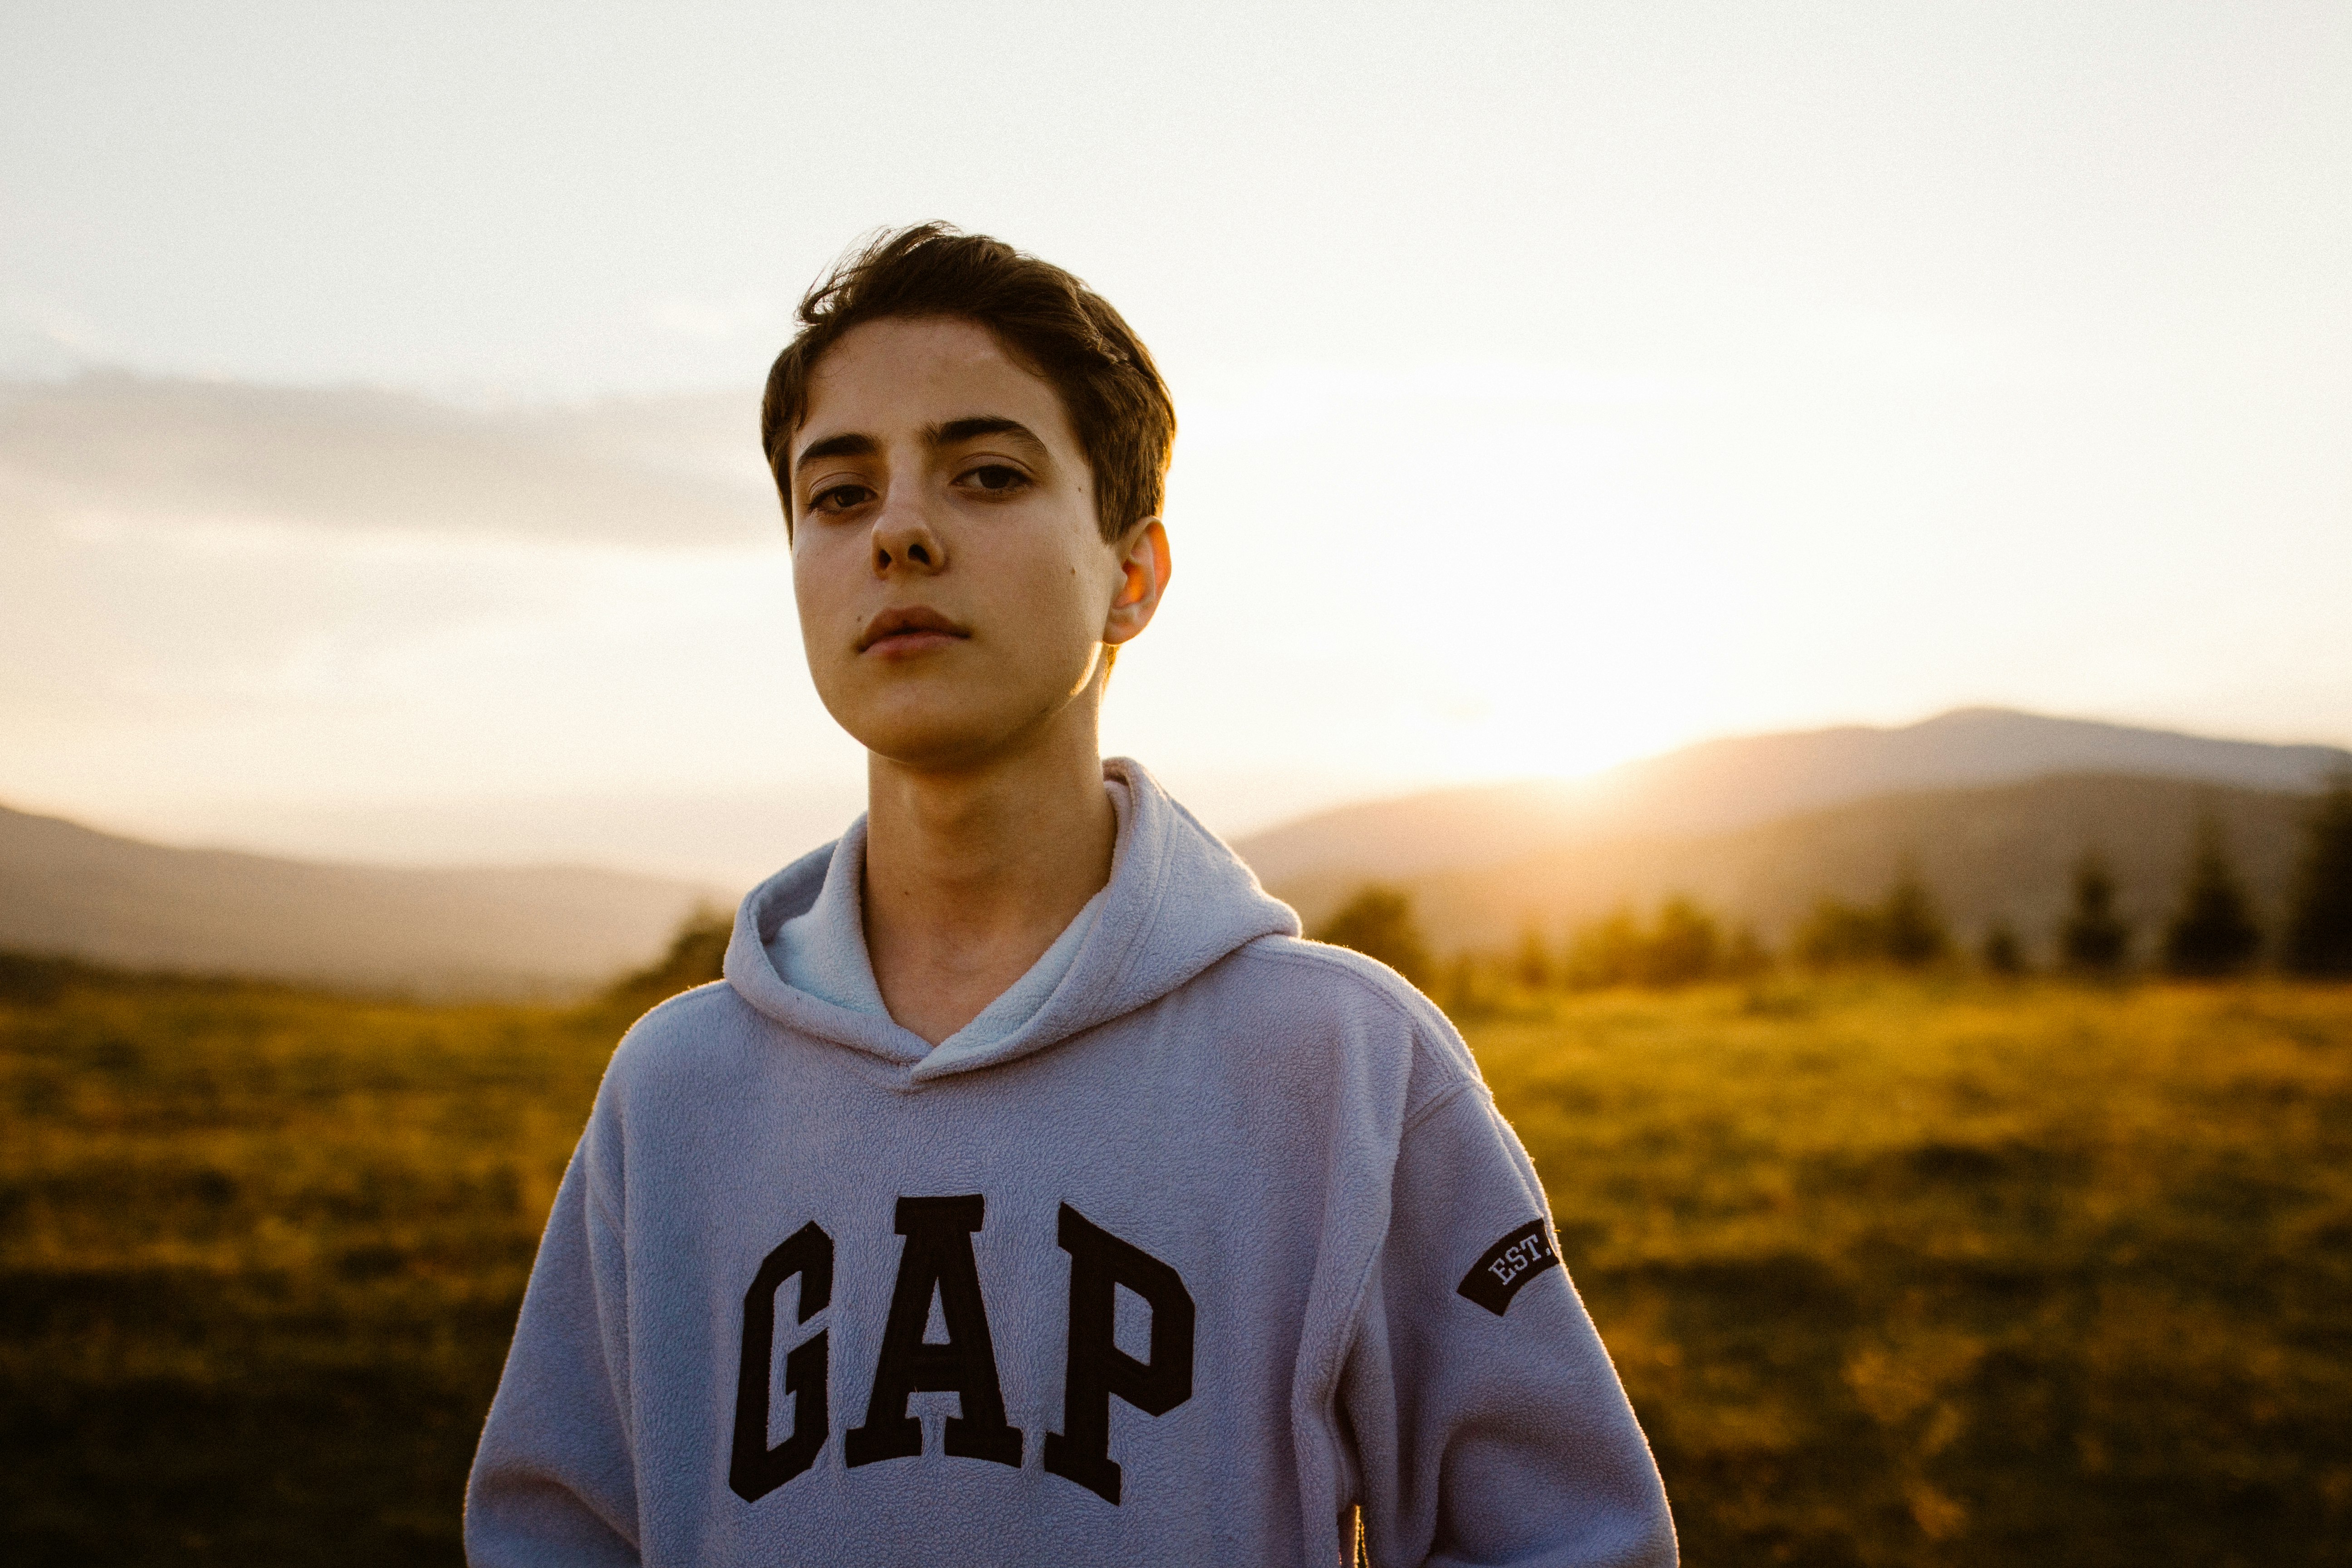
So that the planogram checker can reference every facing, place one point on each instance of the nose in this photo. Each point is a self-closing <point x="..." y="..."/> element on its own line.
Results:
<point x="904" y="539"/>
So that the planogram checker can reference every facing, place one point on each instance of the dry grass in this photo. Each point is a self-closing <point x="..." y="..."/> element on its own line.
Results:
<point x="1895" y="1272"/>
<point x="259" y="1255"/>
<point x="1902" y="1273"/>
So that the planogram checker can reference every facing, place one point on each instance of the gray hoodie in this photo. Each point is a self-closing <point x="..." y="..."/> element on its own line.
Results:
<point x="1221" y="1243"/>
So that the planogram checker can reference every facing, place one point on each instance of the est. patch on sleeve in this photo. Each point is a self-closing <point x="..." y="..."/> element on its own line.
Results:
<point x="1510" y="1263"/>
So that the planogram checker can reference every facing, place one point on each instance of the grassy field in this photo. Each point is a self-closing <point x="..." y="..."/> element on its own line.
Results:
<point x="1898" y="1274"/>
<point x="1895" y="1272"/>
<point x="260" y="1253"/>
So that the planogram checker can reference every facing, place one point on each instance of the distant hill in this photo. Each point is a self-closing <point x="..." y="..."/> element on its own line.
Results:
<point x="2000" y="852"/>
<point x="1994" y="806"/>
<point x="69" y="889"/>
<point x="1745" y="780"/>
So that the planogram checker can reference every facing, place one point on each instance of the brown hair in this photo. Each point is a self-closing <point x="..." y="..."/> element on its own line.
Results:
<point x="1067" y="332"/>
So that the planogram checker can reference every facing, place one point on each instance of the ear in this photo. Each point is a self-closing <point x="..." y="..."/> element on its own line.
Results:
<point x="1144" y="567"/>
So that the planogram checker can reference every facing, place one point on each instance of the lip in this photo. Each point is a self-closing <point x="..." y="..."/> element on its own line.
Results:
<point x="909" y="630"/>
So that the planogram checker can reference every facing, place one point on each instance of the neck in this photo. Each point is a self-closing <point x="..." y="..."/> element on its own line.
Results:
<point x="972" y="871"/>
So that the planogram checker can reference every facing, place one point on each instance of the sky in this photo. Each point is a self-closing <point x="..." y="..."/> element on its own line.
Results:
<point x="1557" y="384"/>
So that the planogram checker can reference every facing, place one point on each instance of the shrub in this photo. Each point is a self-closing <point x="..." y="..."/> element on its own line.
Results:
<point x="2002" y="952"/>
<point x="1606" y="953"/>
<point x="1686" y="945"/>
<point x="1532" y="965"/>
<point x="1744" y="957"/>
<point x="1467" y="993"/>
<point x="696" y="956"/>
<point x="1904" y="929"/>
<point x="1838" y="933"/>
<point x="1378" y="922"/>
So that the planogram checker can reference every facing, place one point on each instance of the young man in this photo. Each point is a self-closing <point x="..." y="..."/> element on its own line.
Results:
<point x="1029" y="1192"/>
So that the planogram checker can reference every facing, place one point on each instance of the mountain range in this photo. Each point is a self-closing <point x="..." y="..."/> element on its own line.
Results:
<point x="1741" y="781"/>
<point x="492" y="930"/>
<point x="1992" y="807"/>
<point x="1999" y="852"/>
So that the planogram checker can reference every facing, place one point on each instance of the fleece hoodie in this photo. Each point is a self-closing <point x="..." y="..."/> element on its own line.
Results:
<point x="1222" y="1241"/>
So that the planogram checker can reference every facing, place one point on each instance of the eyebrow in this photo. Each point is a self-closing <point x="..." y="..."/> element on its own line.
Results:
<point x="952" y="433"/>
<point x="836" y="447"/>
<point x="960" y="430"/>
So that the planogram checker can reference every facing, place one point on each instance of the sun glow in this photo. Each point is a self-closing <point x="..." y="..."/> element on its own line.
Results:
<point x="1552" y="392"/>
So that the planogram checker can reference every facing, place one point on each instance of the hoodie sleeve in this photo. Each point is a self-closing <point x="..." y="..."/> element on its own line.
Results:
<point x="555" y="1481"/>
<point x="1489" y="1426"/>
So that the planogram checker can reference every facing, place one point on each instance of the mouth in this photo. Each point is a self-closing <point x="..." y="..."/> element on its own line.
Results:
<point x="908" y="631"/>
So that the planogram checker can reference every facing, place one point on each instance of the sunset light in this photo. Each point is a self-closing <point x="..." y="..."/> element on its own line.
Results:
<point x="1695" y="405"/>
<point x="1559" y="781"/>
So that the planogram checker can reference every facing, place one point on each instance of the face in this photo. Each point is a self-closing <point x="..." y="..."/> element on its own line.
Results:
<point x="955" y="592"/>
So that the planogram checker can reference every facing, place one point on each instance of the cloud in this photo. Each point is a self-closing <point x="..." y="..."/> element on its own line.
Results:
<point x="660" y="472"/>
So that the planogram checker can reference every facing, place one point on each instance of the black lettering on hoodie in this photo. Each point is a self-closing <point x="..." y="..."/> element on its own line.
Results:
<point x="1096" y="1368"/>
<point x="936" y="1261"/>
<point x="755" y="1469"/>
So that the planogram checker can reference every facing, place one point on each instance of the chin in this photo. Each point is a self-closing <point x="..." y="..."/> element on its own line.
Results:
<point x="929" y="736"/>
<point x="943" y="719"/>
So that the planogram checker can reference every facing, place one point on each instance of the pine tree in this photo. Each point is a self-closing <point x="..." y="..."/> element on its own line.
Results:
<point x="2319" y="924"/>
<point x="1909" y="926"/>
<point x="2213" y="934"/>
<point x="2094" y="939"/>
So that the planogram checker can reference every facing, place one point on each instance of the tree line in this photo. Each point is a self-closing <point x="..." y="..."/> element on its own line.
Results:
<point x="2213" y="932"/>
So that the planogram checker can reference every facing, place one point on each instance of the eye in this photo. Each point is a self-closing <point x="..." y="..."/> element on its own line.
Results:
<point x="839" y="498"/>
<point x="997" y="478"/>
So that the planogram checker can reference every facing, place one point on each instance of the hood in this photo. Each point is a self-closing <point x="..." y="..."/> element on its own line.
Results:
<point x="1178" y="901"/>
